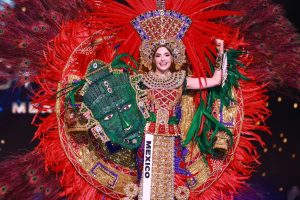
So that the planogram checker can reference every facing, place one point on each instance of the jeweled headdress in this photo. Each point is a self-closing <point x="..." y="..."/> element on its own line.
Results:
<point x="188" y="28"/>
<point x="162" y="28"/>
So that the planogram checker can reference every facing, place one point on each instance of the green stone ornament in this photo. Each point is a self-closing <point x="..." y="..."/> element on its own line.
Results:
<point x="111" y="98"/>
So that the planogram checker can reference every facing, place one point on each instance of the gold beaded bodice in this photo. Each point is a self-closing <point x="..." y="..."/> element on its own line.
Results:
<point x="164" y="96"/>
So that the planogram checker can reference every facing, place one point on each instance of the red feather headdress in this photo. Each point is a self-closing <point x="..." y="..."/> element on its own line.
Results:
<point x="194" y="21"/>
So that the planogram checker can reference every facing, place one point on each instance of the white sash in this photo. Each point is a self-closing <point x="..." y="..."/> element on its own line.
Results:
<point x="147" y="170"/>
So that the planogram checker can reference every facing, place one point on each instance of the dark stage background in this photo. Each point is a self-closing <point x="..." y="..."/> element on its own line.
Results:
<point x="277" y="176"/>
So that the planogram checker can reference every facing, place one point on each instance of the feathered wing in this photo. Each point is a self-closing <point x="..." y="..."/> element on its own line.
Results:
<point x="274" y="44"/>
<point x="25" y="29"/>
<point x="65" y="62"/>
<point x="24" y="177"/>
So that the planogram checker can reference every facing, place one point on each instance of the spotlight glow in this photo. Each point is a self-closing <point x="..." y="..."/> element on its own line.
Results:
<point x="284" y="140"/>
<point x="279" y="99"/>
<point x="281" y="135"/>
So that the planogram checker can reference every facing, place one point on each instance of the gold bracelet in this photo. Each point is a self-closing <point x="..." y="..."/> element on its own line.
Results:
<point x="219" y="62"/>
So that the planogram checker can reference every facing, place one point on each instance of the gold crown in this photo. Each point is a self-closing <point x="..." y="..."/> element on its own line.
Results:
<point x="162" y="28"/>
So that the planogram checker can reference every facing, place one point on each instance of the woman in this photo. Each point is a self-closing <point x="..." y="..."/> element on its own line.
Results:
<point x="161" y="157"/>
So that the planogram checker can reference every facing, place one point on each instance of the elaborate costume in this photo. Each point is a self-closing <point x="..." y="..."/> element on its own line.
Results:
<point x="161" y="154"/>
<point x="197" y="145"/>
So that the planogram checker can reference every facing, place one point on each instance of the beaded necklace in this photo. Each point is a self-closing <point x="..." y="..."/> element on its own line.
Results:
<point x="170" y="81"/>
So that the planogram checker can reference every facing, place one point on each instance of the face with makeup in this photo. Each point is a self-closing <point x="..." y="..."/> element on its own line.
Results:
<point x="112" y="101"/>
<point x="163" y="60"/>
<point x="120" y="116"/>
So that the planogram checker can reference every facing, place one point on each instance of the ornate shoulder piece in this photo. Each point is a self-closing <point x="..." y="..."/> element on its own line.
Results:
<point x="170" y="81"/>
